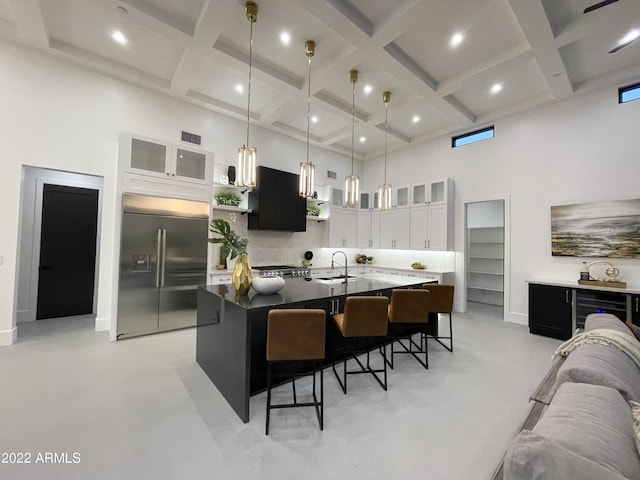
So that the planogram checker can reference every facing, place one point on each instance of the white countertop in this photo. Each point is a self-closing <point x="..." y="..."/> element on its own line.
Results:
<point x="574" y="284"/>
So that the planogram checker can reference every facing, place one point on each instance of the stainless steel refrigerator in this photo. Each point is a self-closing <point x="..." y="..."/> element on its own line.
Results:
<point x="163" y="259"/>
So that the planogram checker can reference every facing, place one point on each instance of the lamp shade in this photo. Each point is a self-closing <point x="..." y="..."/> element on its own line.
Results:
<point x="246" y="174"/>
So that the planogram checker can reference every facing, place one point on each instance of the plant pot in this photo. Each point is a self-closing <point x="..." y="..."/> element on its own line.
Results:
<point x="241" y="277"/>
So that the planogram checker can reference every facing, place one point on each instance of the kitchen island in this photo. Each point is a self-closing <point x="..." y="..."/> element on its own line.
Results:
<point x="232" y="331"/>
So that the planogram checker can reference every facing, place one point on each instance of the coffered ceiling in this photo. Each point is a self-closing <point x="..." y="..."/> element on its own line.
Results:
<point x="534" y="51"/>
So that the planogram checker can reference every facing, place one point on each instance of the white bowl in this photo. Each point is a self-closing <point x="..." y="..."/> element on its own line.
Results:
<point x="267" y="285"/>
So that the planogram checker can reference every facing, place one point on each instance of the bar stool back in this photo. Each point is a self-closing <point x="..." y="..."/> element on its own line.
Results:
<point x="442" y="302"/>
<point x="364" y="317"/>
<point x="296" y="335"/>
<point x="410" y="308"/>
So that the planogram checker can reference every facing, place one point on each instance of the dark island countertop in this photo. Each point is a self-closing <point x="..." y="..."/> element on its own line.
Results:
<point x="298" y="290"/>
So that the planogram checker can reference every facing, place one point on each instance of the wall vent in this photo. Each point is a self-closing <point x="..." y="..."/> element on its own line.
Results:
<point x="331" y="174"/>
<point x="191" y="138"/>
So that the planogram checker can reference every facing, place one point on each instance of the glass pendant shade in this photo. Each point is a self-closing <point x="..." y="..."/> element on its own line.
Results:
<point x="307" y="179"/>
<point x="246" y="174"/>
<point x="352" y="190"/>
<point x="384" y="197"/>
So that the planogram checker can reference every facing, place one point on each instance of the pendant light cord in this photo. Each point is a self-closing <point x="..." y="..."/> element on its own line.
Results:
<point x="353" y="123"/>
<point x="308" y="108"/>
<point x="386" y="131"/>
<point x="249" y="88"/>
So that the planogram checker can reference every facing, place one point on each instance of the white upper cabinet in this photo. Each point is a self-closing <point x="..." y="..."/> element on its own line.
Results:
<point x="151" y="157"/>
<point x="430" y="228"/>
<point x="155" y="167"/>
<point x="395" y="229"/>
<point x="368" y="229"/>
<point x="343" y="227"/>
<point x="435" y="191"/>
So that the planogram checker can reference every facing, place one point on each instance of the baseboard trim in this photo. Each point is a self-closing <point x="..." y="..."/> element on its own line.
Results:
<point x="8" y="337"/>
<point x="518" y="318"/>
<point x="103" y="324"/>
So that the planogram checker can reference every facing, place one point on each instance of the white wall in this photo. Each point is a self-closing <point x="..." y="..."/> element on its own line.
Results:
<point x="59" y="116"/>
<point x="581" y="150"/>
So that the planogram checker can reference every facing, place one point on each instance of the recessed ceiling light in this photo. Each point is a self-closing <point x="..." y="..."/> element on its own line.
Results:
<point x="415" y="119"/>
<point x="314" y="119"/>
<point x="363" y="139"/>
<point x="456" y="39"/>
<point x="367" y="89"/>
<point x="496" y="88"/>
<point x="285" y="38"/>
<point x="119" y="37"/>
<point x="239" y="88"/>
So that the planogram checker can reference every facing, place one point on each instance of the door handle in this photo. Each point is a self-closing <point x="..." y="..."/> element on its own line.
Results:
<point x="428" y="243"/>
<point x="637" y="304"/>
<point x="158" y="256"/>
<point x="566" y="296"/>
<point x="164" y="250"/>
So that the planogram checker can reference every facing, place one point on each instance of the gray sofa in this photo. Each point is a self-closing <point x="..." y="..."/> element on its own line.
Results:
<point x="581" y="424"/>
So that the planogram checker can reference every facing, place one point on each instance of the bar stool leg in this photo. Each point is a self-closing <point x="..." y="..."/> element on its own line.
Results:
<point x="266" y="430"/>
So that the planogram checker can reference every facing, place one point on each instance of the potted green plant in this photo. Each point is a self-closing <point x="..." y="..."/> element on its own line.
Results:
<point x="369" y="260"/>
<point x="232" y="245"/>
<point x="313" y="211"/>
<point x="227" y="198"/>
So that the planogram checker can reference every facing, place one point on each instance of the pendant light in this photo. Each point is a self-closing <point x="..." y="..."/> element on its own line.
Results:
<point x="308" y="169"/>
<point x="246" y="154"/>
<point x="384" y="193"/>
<point x="352" y="182"/>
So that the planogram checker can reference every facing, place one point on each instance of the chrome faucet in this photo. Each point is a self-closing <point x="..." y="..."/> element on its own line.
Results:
<point x="346" y="269"/>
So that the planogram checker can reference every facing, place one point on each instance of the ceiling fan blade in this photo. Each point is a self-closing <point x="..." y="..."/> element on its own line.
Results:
<point x="598" y="5"/>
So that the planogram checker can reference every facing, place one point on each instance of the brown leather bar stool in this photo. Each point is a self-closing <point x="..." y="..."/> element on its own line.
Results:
<point x="363" y="318"/>
<point x="441" y="301"/>
<point x="408" y="314"/>
<point x="296" y="335"/>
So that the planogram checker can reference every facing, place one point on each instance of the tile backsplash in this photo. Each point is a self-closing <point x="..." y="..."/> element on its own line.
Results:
<point x="287" y="248"/>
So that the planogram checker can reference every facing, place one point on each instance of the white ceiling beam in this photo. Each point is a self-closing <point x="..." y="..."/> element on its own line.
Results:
<point x="29" y="22"/>
<point x="140" y="14"/>
<point x="106" y="66"/>
<point x="206" y="33"/>
<point x="160" y="16"/>
<point x="535" y="25"/>
<point x="520" y="53"/>
<point x="275" y="108"/>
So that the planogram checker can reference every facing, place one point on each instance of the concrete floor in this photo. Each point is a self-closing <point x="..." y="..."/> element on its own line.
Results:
<point x="143" y="409"/>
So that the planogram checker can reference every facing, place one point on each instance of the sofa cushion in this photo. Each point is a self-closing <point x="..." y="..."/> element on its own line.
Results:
<point x="533" y="457"/>
<point x="593" y="422"/>
<point x="601" y="365"/>
<point x="605" y="320"/>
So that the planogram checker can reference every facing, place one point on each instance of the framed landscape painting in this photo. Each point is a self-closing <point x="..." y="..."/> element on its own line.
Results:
<point x="604" y="229"/>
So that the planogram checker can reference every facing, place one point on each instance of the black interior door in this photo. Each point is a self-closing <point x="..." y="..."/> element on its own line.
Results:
<point x="67" y="251"/>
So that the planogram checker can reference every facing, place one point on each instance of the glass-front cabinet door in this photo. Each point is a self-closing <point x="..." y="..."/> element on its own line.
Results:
<point x="402" y="196"/>
<point x="190" y="164"/>
<point x="149" y="156"/>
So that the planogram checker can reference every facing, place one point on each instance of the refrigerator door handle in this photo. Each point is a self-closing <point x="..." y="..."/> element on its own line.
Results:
<point x="158" y="256"/>
<point x="164" y="250"/>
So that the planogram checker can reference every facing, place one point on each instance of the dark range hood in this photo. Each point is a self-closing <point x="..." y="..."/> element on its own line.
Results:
<point x="275" y="203"/>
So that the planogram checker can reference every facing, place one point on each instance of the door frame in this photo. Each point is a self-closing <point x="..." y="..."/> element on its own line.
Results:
<point x="506" y="303"/>
<point x="33" y="181"/>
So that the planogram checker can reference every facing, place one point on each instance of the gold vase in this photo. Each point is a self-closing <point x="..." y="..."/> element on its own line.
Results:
<point x="241" y="277"/>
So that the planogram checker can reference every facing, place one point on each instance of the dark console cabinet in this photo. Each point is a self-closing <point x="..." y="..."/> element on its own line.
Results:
<point x="550" y="311"/>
